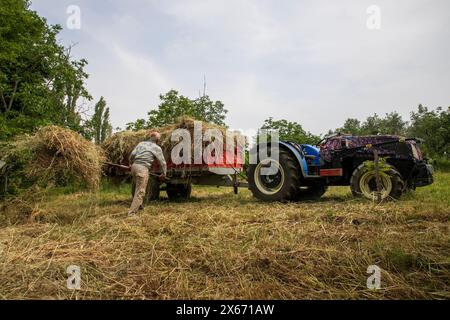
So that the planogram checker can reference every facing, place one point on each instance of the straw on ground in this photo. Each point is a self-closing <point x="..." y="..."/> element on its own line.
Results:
<point x="219" y="245"/>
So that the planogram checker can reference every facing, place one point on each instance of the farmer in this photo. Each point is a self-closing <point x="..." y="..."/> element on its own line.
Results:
<point x="142" y="159"/>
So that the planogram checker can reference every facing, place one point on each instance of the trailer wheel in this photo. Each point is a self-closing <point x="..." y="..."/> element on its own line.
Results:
<point x="280" y="186"/>
<point x="313" y="192"/>
<point x="178" y="191"/>
<point x="363" y="183"/>
<point x="152" y="192"/>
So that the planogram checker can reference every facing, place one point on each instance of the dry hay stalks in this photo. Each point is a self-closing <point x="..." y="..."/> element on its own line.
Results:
<point x="120" y="145"/>
<point x="56" y="155"/>
<point x="23" y="208"/>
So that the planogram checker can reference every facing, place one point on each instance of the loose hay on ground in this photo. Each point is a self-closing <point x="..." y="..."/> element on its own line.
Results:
<point x="223" y="246"/>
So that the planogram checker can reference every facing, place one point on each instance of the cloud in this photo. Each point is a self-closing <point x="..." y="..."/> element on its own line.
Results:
<point x="143" y="70"/>
<point x="314" y="62"/>
<point x="131" y="84"/>
<point x="243" y="27"/>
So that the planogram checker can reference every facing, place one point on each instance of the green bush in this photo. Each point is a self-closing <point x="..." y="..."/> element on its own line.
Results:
<point x="441" y="164"/>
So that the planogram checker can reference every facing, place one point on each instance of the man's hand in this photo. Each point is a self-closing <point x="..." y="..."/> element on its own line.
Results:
<point x="162" y="177"/>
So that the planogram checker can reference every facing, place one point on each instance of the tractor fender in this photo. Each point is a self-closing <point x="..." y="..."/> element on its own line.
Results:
<point x="298" y="153"/>
<point x="293" y="149"/>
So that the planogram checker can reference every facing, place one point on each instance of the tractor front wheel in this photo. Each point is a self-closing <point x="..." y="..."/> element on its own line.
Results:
<point x="363" y="183"/>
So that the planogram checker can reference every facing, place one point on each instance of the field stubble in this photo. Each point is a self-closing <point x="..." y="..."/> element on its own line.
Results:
<point x="222" y="246"/>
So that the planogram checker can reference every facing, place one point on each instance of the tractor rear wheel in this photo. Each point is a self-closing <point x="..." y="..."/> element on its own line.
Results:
<point x="152" y="193"/>
<point x="280" y="184"/>
<point x="363" y="183"/>
<point x="178" y="191"/>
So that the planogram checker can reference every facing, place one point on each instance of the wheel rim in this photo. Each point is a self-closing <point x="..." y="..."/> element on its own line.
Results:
<point x="269" y="184"/>
<point x="368" y="185"/>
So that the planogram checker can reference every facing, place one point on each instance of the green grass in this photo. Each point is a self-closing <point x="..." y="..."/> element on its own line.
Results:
<point x="220" y="245"/>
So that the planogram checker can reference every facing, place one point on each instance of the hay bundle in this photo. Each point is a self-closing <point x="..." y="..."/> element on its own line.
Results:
<point x="119" y="146"/>
<point x="185" y="123"/>
<point x="54" y="155"/>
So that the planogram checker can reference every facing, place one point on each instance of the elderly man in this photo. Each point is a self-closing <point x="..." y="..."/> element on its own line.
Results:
<point x="142" y="159"/>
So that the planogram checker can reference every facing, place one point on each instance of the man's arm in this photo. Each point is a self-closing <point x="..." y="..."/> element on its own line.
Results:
<point x="157" y="152"/>
<point x="132" y="155"/>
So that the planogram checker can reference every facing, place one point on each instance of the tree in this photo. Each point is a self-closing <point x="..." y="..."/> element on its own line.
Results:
<point x="393" y="123"/>
<point x="372" y="125"/>
<point x="290" y="131"/>
<point x="434" y="128"/>
<point x="209" y="111"/>
<point x="173" y="105"/>
<point x="351" y="126"/>
<point x="99" y="127"/>
<point x="137" y="125"/>
<point x="106" y="129"/>
<point x="39" y="82"/>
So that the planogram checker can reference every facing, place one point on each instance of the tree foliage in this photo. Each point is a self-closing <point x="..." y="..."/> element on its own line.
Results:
<point x="290" y="131"/>
<point x="391" y="123"/>
<point x="39" y="82"/>
<point x="174" y="105"/>
<point x="99" y="127"/>
<point x="352" y="126"/>
<point x="433" y="126"/>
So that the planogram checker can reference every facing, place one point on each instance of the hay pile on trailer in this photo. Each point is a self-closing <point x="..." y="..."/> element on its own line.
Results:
<point x="53" y="156"/>
<point x="119" y="146"/>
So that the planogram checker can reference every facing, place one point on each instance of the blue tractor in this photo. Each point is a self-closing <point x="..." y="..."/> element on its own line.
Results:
<point x="304" y="171"/>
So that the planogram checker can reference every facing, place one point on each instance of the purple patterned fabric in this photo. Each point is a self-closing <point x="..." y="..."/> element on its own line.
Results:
<point x="396" y="150"/>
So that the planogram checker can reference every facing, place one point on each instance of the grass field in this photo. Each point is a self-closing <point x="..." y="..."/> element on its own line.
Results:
<point x="219" y="245"/>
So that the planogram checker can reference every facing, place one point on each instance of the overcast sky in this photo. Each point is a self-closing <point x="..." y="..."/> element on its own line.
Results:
<point x="314" y="62"/>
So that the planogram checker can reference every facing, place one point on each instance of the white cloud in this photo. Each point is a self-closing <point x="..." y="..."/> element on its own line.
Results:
<point x="314" y="62"/>
<point x="130" y="83"/>
<point x="143" y="71"/>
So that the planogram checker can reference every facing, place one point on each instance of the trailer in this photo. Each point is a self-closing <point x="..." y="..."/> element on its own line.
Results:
<point x="181" y="177"/>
